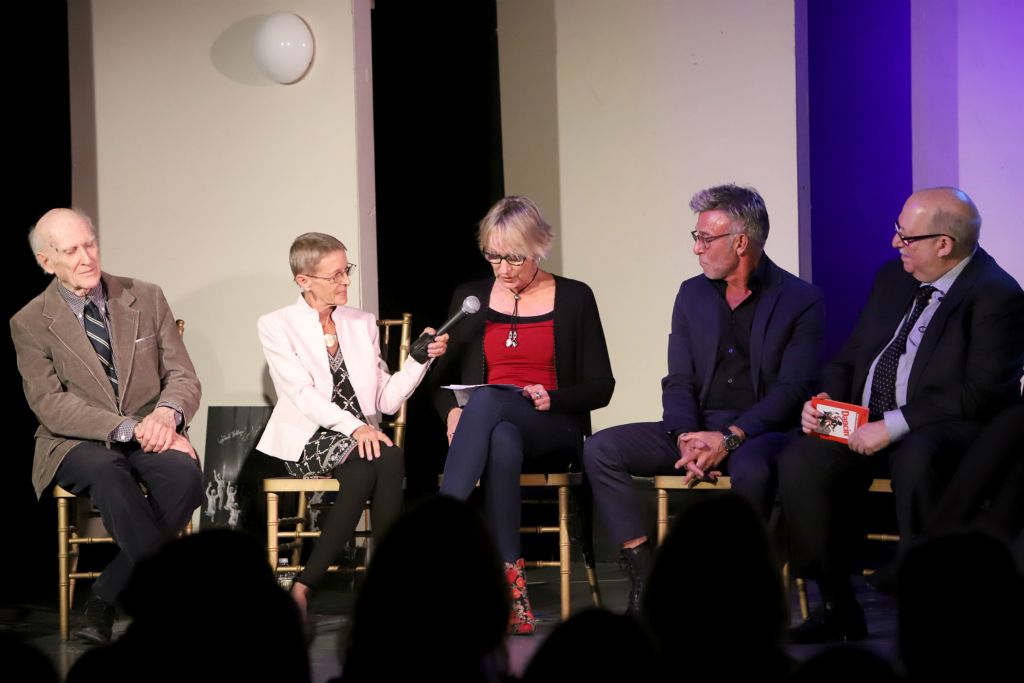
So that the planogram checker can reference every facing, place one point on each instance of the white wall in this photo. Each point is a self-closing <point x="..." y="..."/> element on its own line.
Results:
<point x="991" y="116"/>
<point x="200" y="171"/>
<point x="968" y="105"/>
<point x="629" y="108"/>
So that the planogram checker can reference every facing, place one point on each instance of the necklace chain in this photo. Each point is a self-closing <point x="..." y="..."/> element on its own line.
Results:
<point x="512" y="341"/>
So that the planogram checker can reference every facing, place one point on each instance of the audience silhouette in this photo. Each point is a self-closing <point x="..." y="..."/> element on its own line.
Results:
<point x="434" y="599"/>
<point x="205" y="607"/>
<point x="715" y="598"/>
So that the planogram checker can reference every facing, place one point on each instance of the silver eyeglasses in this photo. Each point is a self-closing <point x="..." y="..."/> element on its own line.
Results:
<point x="706" y="240"/>
<point x="336" y="278"/>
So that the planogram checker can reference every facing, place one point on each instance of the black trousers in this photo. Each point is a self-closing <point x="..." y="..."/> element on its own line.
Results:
<point x="823" y="485"/>
<point x="379" y="481"/>
<point x="137" y="523"/>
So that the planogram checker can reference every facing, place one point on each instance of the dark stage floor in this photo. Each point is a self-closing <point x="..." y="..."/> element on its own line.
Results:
<point x="331" y="608"/>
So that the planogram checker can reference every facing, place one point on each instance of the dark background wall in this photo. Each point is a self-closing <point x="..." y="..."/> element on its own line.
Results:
<point x="437" y="134"/>
<point x="38" y="136"/>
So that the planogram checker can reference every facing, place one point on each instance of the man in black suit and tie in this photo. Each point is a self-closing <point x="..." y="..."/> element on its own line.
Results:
<point x="937" y="351"/>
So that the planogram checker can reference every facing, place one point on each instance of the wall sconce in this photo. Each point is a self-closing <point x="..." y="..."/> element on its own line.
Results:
<point x="283" y="47"/>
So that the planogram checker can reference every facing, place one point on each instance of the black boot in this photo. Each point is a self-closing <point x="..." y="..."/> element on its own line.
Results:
<point x="636" y="562"/>
<point x="97" y="622"/>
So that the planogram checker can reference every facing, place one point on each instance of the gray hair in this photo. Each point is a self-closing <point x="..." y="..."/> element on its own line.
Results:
<point x="742" y="203"/>
<point x="308" y="249"/>
<point x="515" y="223"/>
<point x="35" y="239"/>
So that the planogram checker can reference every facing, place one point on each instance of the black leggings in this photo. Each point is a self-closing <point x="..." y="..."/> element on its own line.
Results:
<point x="378" y="480"/>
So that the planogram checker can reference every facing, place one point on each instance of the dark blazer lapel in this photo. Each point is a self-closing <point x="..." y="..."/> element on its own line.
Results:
<point x="69" y="332"/>
<point x="705" y="329"/>
<point x="124" y="324"/>
<point x="763" y="314"/>
<point x="950" y="302"/>
<point x="771" y="291"/>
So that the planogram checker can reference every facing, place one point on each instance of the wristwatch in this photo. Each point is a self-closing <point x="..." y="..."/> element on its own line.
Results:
<point x="731" y="441"/>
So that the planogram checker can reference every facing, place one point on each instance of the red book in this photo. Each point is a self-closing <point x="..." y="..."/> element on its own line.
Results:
<point x="838" y="419"/>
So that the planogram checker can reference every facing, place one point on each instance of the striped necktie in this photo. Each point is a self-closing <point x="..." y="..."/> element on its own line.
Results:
<point x="96" y="330"/>
<point x="883" y="383"/>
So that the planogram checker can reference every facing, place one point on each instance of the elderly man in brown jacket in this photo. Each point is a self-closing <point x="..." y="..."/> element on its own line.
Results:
<point x="108" y="377"/>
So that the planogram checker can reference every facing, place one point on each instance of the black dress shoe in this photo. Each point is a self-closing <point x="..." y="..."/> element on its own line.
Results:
<point x="97" y="622"/>
<point x="831" y="624"/>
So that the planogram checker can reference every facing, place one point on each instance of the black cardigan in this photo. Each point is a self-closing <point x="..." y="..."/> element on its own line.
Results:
<point x="582" y="367"/>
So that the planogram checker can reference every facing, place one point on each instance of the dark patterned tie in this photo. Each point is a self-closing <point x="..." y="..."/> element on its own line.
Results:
<point x="100" y="339"/>
<point x="883" y="383"/>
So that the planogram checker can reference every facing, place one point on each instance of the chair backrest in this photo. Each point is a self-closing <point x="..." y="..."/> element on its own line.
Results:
<point x="394" y="354"/>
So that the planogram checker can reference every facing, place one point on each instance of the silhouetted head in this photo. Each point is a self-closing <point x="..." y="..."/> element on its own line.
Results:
<point x="716" y="581"/>
<point x="434" y="592"/>
<point x="845" y="663"/>
<point x="961" y="600"/>
<point x="596" y="645"/>
<point x="206" y="607"/>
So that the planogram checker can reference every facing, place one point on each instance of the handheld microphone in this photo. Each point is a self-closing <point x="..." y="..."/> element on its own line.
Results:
<point x="470" y="305"/>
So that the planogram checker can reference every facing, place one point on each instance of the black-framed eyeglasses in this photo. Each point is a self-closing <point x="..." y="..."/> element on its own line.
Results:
<point x="907" y="241"/>
<point x="336" y="278"/>
<point x="706" y="240"/>
<point x="511" y="259"/>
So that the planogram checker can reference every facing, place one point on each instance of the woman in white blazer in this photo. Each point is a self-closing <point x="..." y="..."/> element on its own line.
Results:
<point x="332" y="387"/>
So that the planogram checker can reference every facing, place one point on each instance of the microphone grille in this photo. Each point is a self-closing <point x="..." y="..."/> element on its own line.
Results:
<point x="470" y="305"/>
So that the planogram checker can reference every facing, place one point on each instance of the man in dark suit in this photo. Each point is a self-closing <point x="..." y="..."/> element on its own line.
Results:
<point x="108" y="377"/>
<point x="938" y="350"/>
<point x="746" y="341"/>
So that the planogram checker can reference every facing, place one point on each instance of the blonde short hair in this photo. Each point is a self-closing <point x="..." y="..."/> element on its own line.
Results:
<point x="515" y="226"/>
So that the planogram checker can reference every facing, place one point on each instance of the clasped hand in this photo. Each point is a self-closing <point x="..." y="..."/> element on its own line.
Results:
<point x="701" y="454"/>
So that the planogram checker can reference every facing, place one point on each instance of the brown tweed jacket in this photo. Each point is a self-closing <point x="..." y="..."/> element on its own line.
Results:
<point x="65" y="385"/>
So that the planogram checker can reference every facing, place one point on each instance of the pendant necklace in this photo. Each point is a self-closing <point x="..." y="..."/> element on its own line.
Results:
<point x="329" y="339"/>
<point x="512" y="341"/>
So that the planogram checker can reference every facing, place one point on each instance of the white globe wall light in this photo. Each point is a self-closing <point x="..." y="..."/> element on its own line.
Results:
<point x="283" y="47"/>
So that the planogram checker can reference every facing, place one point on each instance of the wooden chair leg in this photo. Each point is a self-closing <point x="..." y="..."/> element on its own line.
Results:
<point x="662" y="514"/>
<point x="300" y="526"/>
<point x="368" y="545"/>
<point x="585" y="515"/>
<point x="74" y="552"/>
<point x="272" y="527"/>
<point x="563" y="548"/>
<point x="801" y="590"/>
<point x="63" y="569"/>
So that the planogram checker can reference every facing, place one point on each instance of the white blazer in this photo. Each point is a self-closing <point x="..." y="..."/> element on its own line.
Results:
<point x="293" y="342"/>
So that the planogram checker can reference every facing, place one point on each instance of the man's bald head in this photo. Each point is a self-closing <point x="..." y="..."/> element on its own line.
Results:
<point x="64" y="243"/>
<point x="937" y="229"/>
<point x="951" y="212"/>
<point x="38" y="236"/>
